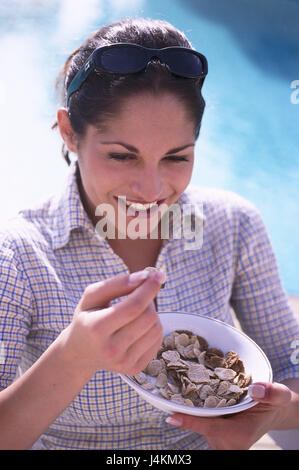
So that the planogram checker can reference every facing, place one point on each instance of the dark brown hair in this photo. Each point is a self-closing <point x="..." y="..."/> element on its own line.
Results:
<point x="101" y="96"/>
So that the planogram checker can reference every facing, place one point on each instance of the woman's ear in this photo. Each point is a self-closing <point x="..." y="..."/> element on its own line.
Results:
<point x="66" y="131"/>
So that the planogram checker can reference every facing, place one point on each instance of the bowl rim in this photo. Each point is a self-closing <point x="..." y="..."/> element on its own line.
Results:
<point x="246" y="404"/>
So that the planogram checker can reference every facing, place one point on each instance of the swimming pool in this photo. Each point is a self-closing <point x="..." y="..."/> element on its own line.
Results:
<point x="249" y="137"/>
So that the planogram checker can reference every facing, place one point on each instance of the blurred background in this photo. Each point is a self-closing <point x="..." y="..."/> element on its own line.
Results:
<point x="249" y="142"/>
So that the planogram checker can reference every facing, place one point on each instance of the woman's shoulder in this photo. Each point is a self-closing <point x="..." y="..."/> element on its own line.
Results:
<point x="219" y="201"/>
<point x="224" y="212"/>
<point x="29" y="227"/>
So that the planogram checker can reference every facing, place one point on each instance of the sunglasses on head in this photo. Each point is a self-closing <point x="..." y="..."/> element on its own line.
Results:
<point x="125" y="58"/>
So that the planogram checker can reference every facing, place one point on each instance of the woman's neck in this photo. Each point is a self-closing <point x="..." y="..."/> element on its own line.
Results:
<point x="137" y="254"/>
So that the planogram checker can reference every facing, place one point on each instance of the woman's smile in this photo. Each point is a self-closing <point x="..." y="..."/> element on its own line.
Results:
<point x="139" y="208"/>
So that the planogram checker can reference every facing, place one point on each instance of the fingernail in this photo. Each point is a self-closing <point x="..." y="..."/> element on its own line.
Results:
<point x="159" y="276"/>
<point x="151" y="269"/>
<point x="256" y="391"/>
<point x="174" y="421"/>
<point x="136" y="278"/>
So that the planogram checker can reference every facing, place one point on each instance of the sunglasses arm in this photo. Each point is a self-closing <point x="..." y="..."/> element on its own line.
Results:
<point x="80" y="78"/>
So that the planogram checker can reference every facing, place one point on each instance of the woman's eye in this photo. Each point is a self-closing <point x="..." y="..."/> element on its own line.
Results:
<point x="180" y="158"/>
<point x="120" y="156"/>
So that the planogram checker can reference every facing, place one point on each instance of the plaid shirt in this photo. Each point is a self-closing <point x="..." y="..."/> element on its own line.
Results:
<point x="48" y="256"/>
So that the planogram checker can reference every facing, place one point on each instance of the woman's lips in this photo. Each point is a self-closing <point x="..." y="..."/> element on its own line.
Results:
<point x="128" y="201"/>
<point x="137" y="207"/>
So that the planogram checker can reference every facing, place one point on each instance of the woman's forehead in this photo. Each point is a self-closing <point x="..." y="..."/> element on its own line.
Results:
<point x="146" y="114"/>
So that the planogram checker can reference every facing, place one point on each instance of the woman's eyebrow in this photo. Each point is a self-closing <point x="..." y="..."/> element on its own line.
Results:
<point x="131" y="148"/>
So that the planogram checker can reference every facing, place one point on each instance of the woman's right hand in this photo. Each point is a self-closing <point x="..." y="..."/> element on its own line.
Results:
<point x="122" y="337"/>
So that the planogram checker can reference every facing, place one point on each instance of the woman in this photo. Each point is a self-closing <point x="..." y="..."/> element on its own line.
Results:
<point x="78" y="306"/>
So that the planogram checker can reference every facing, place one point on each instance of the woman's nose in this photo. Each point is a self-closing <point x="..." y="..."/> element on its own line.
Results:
<point x="148" y="185"/>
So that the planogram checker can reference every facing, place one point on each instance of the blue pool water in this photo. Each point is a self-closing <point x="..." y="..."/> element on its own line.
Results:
<point x="250" y="133"/>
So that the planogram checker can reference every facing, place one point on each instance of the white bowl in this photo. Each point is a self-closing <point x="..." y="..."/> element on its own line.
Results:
<point x="219" y="335"/>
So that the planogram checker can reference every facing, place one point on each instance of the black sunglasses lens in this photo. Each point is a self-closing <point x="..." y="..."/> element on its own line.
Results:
<point x="129" y="59"/>
<point x="184" y="63"/>
<point x="123" y="59"/>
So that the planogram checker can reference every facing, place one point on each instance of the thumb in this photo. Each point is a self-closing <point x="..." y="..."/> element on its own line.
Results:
<point x="99" y="294"/>
<point x="272" y="393"/>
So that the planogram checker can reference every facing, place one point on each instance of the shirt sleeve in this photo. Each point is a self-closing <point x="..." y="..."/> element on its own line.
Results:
<point x="259" y="300"/>
<point x="15" y="308"/>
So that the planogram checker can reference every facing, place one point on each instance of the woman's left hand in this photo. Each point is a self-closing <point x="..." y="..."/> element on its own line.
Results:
<point x="241" y="430"/>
